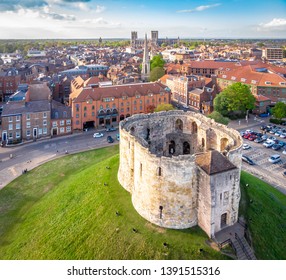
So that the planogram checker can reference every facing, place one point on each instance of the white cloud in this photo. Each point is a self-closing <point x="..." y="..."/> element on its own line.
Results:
<point x="82" y="6"/>
<point x="100" y="9"/>
<point x="199" y="8"/>
<point x="276" y="23"/>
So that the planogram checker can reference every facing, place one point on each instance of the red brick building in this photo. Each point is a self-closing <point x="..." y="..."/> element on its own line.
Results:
<point x="9" y="82"/>
<point x="106" y="106"/>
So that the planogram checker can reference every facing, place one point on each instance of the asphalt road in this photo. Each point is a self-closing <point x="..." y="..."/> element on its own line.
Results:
<point x="13" y="160"/>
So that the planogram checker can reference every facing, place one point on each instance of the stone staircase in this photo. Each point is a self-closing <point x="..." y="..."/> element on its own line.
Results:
<point x="242" y="248"/>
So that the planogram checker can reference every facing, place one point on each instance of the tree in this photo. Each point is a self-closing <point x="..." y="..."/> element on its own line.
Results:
<point x="156" y="61"/>
<point x="164" y="107"/>
<point x="236" y="97"/>
<point x="219" y="118"/>
<point x="279" y="110"/>
<point x="156" y="73"/>
<point x="150" y="108"/>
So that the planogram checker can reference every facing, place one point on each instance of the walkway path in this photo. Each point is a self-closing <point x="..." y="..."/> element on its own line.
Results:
<point x="236" y="235"/>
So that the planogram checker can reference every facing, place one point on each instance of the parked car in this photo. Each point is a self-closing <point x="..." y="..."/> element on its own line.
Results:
<point x="110" y="129"/>
<point x="247" y="159"/>
<point x="268" y="143"/>
<point x="117" y="137"/>
<point x="284" y="152"/>
<point x="276" y="147"/>
<point x="97" y="135"/>
<point x="252" y="137"/>
<point x="264" y="137"/>
<point x="110" y="139"/>
<point x="245" y="147"/>
<point x="274" y="158"/>
<point x="258" y="140"/>
<point x="272" y="138"/>
<point x="281" y="143"/>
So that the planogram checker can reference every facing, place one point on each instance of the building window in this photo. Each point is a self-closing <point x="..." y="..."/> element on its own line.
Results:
<point x="62" y="130"/>
<point x="10" y="127"/>
<point x="28" y="133"/>
<point x="62" y="122"/>
<point x="65" y="114"/>
<point x="68" y="122"/>
<point x="10" y="135"/>
<point x="10" y="119"/>
<point x="135" y="109"/>
<point x="45" y="115"/>
<point x="28" y="116"/>
<point x="68" y="129"/>
<point x="77" y="107"/>
<point x="159" y="171"/>
<point x="84" y="115"/>
<point x="40" y="131"/>
<point x="55" y="124"/>
<point x="17" y="118"/>
<point x="18" y="126"/>
<point x="77" y="122"/>
<point x="44" y="122"/>
<point x="84" y="108"/>
<point x="92" y="107"/>
<point x="28" y="124"/>
<point x="18" y="134"/>
<point x="77" y="116"/>
<point x="93" y="114"/>
<point x="45" y="130"/>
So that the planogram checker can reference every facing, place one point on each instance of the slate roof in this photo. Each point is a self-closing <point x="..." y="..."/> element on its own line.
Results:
<point x="213" y="162"/>
<point x="16" y="108"/>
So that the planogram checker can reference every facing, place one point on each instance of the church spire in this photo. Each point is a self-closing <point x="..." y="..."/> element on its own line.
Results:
<point x="146" y="62"/>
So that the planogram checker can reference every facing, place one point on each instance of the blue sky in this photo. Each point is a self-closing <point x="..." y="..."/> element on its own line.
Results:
<point x="117" y="18"/>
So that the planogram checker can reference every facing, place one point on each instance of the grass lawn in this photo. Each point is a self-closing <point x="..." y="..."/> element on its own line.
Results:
<point x="63" y="210"/>
<point x="264" y="209"/>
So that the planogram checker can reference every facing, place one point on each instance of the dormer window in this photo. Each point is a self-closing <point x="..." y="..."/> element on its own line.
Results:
<point x="253" y="81"/>
<point x="243" y="80"/>
<point x="233" y="78"/>
<point x="267" y="83"/>
<point x="224" y="76"/>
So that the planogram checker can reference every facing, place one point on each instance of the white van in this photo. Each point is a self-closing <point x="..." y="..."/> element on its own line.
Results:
<point x="274" y="158"/>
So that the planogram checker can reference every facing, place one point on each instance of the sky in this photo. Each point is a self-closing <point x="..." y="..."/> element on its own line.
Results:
<point x="91" y="19"/>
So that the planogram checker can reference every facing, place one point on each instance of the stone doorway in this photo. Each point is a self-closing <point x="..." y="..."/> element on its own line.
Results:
<point x="223" y="220"/>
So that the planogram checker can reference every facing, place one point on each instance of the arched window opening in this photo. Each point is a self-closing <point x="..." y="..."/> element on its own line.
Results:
<point x="159" y="171"/>
<point x="121" y="117"/>
<point x="194" y="127"/>
<point x="203" y="142"/>
<point x="223" y="144"/>
<point x="132" y="130"/>
<point x="179" y="125"/>
<point x="172" y="146"/>
<point x="186" y="148"/>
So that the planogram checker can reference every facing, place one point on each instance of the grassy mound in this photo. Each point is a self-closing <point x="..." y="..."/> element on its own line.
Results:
<point x="264" y="209"/>
<point x="64" y="210"/>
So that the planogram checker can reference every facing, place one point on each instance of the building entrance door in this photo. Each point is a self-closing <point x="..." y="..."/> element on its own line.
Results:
<point x="223" y="220"/>
<point x="35" y="132"/>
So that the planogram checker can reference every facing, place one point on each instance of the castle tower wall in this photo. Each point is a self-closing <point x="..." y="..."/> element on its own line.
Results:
<point x="164" y="190"/>
<point x="162" y="165"/>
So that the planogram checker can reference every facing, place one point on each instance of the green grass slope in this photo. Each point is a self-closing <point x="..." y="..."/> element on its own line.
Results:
<point x="63" y="210"/>
<point x="264" y="209"/>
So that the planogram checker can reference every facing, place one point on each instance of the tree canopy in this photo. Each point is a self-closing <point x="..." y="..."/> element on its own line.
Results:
<point x="236" y="97"/>
<point x="156" y="73"/>
<point x="218" y="117"/>
<point x="164" y="107"/>
<point x="279" y="110"/>
<point x="156" y="61"/>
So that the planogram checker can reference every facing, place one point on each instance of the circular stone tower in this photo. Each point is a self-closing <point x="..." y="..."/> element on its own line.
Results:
<point x="182" y="169"/>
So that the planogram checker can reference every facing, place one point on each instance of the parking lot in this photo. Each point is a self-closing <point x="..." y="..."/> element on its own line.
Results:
<point x="272" y="173"/>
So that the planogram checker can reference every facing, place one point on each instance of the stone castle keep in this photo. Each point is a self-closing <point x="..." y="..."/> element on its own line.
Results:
<point x="182" y="169"/>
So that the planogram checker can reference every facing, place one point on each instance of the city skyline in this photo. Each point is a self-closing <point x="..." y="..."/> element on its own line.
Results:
<point x="67" y="19"/>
